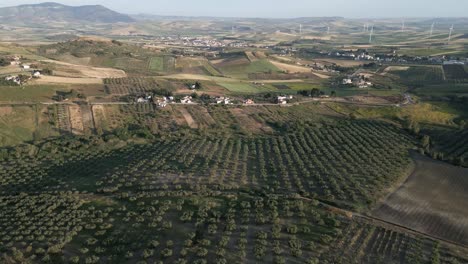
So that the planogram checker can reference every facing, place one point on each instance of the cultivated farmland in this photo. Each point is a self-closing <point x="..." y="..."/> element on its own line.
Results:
<point x="431" y="201"/>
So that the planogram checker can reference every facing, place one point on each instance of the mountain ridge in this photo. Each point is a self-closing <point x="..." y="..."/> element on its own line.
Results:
<point x="49" y="12"/>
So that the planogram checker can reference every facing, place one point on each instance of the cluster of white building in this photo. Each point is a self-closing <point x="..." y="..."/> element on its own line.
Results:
<point x="358" y="81"/>
<point x="283" y="99"/>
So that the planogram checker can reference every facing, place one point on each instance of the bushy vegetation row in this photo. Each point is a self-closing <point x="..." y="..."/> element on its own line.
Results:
<point x="207" y="199"/>
<point x="421" y="76"/>
<point x="447" y="144"/>
<point x="132" y="85"/>
<point x="346" y="163"/>
<point x="178" y="227"/>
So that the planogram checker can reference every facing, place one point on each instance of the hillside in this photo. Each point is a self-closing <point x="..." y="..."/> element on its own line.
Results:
<point x="53" y="12"/>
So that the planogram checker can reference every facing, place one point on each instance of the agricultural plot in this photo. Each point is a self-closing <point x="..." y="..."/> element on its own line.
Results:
<point x="241" y="68"/>
<point x="201" y="116"/>
<point x="76" y="119"/>
<point x="275" y="164"/>
<point x="244" y="87"/>
<point x="455" y="72"/>
<point x="441" y="90"/>
<point x="249" y="123"/>
<point x="162" y="64"/>
<point x="130" y="86"/>
<point x="17" y="124"/>
<point x="449" y="144"/>
<point x="190" y="198"/>
<point x="441" y="211"/>
<point x="196" y="65"/>
<point x="420" y="75"/>
<point x="364" y="243"/>
<point x="188" y="118"/>
<point x="178" y="198"/>
<point x="63" y="118"/>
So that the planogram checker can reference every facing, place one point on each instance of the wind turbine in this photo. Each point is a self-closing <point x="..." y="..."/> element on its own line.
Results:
<point x="432" y="29"/>
<point x="300" y="29"/>
<point x="328" y="30"/>
<point x="371" y="34"/>
<point x="450" y="34"/>
<point x="403" y="25"/>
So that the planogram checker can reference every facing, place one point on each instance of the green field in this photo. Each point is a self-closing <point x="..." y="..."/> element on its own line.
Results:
<point x="29" y="93"/>
<point x="241" y="87"/>
<point x="443" y="90"/>
<point x="421" y="75"/>
<point x="242" y="71"/>
<point x="17" y="124"/>
<point x="156" y="64"/>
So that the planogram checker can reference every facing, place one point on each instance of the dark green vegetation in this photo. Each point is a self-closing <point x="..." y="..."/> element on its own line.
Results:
<point x="99" y="178"/>
<point x="421" y="75"/>
<point x="187" y="198"/>
<point x="447" y="144"/>
<point x="456" y="72"/>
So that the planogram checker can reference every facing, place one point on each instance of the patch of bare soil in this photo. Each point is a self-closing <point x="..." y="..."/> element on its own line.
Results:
<point x="248" y="122"/>
<point x="290" y="67"/>
<point x="91" y="72"/>
<point x="76" y="119"/>
<point x="433" y="200"/>
<point x="99" y="115"/>
<point x="6" y="110"/>
<point x="251" y="56"/>
<point x="395" y="68"/>
<point x="188" y="118"/>
<point x="369" y="99"/>
<point x="66" y="80"/>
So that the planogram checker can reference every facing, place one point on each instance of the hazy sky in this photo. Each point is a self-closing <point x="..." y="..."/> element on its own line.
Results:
<point x="277" y="8"/>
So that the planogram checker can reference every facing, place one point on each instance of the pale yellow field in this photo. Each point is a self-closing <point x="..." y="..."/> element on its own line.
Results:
<point x="290" y="68"/>
<point x="66" y="80"/>
<point x="91" y="72"/>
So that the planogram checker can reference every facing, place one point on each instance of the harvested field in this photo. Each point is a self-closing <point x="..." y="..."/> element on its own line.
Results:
<point x="202" y="116"/>
<point x="76" y="119"/>
<point x="343" y="63"/>
<point x="251" y="56"/>
<point x="320" y="75"/>
<point x="87" y="120"/>
<point x="396" y="68"/>
<point x="290" y="68"/>
<point x="66" y="80"/>
<point x="249" y="123"/>
<point x="6" y="110"/>
<point x="99" y="116"/>
<point x="260" y="54"/>
<point x="188" y="118"/>
<point x="91" y="72"/>
<point x="432" y="201"/>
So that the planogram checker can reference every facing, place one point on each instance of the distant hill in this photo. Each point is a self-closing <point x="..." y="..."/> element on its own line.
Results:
<point x="53" y="12"/>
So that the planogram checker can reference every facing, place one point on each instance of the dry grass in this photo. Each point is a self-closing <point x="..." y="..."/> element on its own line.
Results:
<point x="91" y="72"/>
<point x="76" y="119"/>
<point x="249" y="123"/>
<point x="6" y="110"/>
<point x="290" y="68"/>
<point x="66" y="80"/>
<point x="188" y="118"/>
